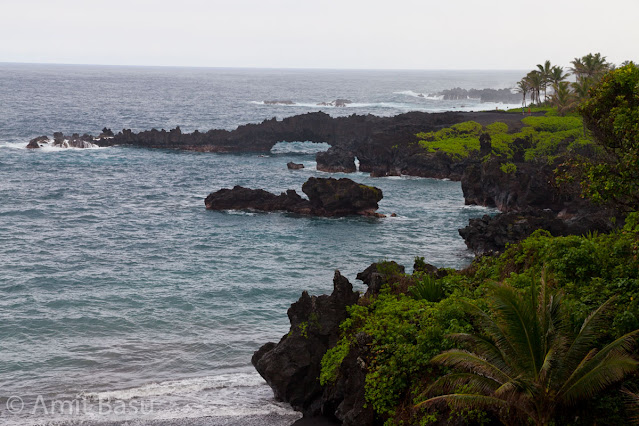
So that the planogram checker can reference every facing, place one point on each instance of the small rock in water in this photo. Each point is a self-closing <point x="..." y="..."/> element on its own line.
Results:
<point x="294" y="166"/>
<point x="35" y="142"/>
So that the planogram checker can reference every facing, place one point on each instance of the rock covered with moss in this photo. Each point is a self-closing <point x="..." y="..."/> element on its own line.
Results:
<point x="326" y="197"/>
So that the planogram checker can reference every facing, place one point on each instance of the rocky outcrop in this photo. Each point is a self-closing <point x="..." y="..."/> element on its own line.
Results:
<point x="276" y="102"/>
<point x="292" y="366"/>
<point x="369" y="138"/>
<point x="492" y="234"/>
<point x="61" y="141"/>
<point x="336" y="160"/>
<point x="340" y="103"/>
<point x="37" y="142"/>
<point x="326" y="197"/>
<point x="484" y="95"/>
<point x="529" y="186"/>
<point x="341" y="197"/>
<point x="374" y="279"/>
<point x="294" y="166"/>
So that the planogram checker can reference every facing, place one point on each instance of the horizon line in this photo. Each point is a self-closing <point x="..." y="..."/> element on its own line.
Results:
<point x="256" y="67"/>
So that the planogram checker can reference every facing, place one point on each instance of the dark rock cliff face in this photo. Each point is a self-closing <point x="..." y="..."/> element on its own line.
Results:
<point x="336" y="160"/>
<point x="528" y="200"/>
<point x="485" y="184"/>
<point x="326" y="197"/>
<point x="292" y="366"/>
<point x="492" y="234"/>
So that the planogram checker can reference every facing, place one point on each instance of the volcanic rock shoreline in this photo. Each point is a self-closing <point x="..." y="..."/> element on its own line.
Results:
<point x="383" y="145"/>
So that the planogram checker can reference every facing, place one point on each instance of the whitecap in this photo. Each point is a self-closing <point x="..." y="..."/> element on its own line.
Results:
<point x="178" y="387"/>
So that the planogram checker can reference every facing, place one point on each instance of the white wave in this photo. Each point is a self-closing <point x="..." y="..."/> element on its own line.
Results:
<point x="420" y="95"/>
<point x="13" y="145"/>
<point x="179" y="387"/>
<point x="239" y="212"/>
<point x="47" y="147"/>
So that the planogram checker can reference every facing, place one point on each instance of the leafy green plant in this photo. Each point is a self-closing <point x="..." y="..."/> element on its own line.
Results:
<point x="508" y="168"/>
<point x="332" y="361"/>
<point x="457" y="141"/>
<point x="526" y="361"/>
<point x="427" y="289"/>
<point x="497" y="128"/>
<point x="553" y="124"/>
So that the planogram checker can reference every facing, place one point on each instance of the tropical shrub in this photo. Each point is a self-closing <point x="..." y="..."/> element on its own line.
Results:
<point x="526" y="364"/>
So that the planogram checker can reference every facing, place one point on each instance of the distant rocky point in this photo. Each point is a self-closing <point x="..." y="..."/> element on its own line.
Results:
<point x="336" y="103"/>
<point x="73" y="141"/>
<point x="279" y="102"/>
<point x="484" y="95"/>
<point x="326" y="197"/>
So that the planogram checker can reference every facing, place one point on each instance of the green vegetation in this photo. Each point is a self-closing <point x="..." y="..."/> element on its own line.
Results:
<point x="427" y="289"/>
<point x="612" y="115"/>
<point x="408" y="334"/>
<point x="545" y="138"/>
<point x="553" y="124"/>
<point x="457" y="141"/>
<point x="508" y="168"/>
<point x="588" y="70"/>
<point x="332" y="360"/>
<point x="546" y="332"/>
<point x="526" y="360"/>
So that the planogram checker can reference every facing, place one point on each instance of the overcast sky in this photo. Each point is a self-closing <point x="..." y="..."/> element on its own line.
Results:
<point x="388" y="34"/>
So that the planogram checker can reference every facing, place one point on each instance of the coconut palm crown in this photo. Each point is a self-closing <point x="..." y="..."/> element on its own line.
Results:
<point x="526" y="364"/>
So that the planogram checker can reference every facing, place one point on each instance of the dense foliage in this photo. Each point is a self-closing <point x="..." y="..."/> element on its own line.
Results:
<point x="407" y="333"/>
<point x="543" y="138"/>
<point x="457" y="141"/>
<point x="612" y="115"/>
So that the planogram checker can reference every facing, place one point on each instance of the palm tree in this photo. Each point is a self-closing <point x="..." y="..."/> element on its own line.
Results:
<point x="522" y="87"/>
<point x="525" y="363"/>
<point x="557" y="75"/>
<point x="633" y="405"/>
<point x="562" y="98"/>
<point x="545" y="71"/>
<point x="581" y="87"/>
<point x="534" y="80"/>
<point x="590" y="66"/>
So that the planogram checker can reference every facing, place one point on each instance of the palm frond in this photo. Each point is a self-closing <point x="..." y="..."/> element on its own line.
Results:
<point x="468" y="361"/>
<point x="610" y="371"/>
<point x="473" y="383"/>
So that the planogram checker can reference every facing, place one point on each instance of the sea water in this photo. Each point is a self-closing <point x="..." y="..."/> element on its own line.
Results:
<point x="122" y="298"/>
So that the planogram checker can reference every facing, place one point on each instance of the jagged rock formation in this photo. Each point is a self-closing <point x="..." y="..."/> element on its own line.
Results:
<point x="292" y="366"/>
<point x="383" y="145"/>
<point x="336" y="160"/>
<point x="326" y="197"/>
<point x="60" y="141"/>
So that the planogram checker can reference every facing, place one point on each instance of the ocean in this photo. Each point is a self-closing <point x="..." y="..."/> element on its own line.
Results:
<point x="124" y="301"/>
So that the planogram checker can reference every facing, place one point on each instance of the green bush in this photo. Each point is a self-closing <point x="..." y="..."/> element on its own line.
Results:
<point x="553" y="124"/>
<point x="427" y="289"/>
<point x="457" y="141"/>
<point x="332" y="360"/>
<point x="508" y="168"/>
<point x="497" y="128"/>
